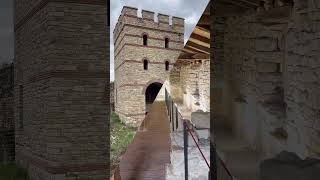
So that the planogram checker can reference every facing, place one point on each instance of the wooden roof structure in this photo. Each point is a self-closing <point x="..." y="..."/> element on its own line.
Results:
<point x="198" y="44"/>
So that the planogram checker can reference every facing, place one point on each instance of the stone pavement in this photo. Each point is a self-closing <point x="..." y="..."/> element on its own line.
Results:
<point x="147" y="155"/>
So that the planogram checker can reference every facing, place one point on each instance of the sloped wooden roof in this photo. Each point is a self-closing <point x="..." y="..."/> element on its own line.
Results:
<point x="198" y="44"/>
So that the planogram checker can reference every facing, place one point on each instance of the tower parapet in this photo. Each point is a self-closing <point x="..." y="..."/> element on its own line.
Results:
<point x="149" y="15"/>
<point x="163" y="19"/>
<point x="144" y="51"/>
<point x="129" y="11"/>
<point x="129" y="15"/>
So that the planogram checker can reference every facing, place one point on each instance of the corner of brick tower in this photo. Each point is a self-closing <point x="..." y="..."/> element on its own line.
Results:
<point x="59" y="82"/>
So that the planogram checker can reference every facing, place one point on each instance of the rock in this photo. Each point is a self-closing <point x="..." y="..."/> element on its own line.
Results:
<point x="200" y="119"/>
<point x="288" y="166"/>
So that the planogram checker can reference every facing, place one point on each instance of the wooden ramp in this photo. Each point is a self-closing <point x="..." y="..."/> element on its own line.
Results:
<point x="147" y="155"/>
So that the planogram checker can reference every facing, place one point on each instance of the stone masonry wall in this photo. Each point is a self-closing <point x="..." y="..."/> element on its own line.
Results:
<point x="272" y="70"/>
<point x="6" y="114"/>
<point x="303" y="75"/>
<point x="195" y="84"/>
<point x="204" y="85"/>
<point x="60" y="79"/>
<point x="131" y="80"/>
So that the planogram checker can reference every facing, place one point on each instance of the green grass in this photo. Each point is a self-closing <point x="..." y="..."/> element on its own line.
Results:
<point x="12" y="172"/>
<point x="121" y="137"/>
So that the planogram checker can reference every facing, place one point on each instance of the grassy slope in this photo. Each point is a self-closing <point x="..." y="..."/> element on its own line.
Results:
<point x="121" y="137"/>
<point x="12" y="172"/>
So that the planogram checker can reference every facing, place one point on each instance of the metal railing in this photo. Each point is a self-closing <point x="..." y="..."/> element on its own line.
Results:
<point x="174" y="117"/>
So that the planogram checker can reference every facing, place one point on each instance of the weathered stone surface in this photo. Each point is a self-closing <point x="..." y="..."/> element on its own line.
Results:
<point x="200" y="119"/>
<point x="266" y="44"/>
<point x="60" y="75"/>
<point x="7" y="139"/>
<point x="131" y="79"/>
<point x="277" y="64"/>
<point x="288" y="166"/>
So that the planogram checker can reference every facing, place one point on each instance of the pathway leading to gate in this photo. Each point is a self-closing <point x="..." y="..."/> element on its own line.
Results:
<point x="148" y="154"/>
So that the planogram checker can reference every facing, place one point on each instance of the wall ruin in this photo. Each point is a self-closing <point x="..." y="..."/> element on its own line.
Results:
<point x="270" y="74"/>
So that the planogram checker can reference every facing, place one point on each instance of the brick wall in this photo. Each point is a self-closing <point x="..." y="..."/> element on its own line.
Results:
<point x="6" y="114"/>
<point x="131" y="79"/>
<point x="61" y="73"/>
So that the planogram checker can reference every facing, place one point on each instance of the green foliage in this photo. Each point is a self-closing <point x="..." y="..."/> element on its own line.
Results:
<point x="12" y="172"/>
<point x="121" y="137"/>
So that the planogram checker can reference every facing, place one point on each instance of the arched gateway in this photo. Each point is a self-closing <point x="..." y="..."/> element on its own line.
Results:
<point x="143" y="62"/>
<point x="151" y="94"/>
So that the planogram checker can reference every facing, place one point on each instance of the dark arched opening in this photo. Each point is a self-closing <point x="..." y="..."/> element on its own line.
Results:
<point x="145" y="40"/>
<point x="151" y="93"/>
<point x="166" y="42"/>
<point x="145" y="64"/>
<point x="167" y="65"/>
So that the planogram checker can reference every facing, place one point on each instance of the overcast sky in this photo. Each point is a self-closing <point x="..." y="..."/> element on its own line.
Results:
<point x="190" y="10"/>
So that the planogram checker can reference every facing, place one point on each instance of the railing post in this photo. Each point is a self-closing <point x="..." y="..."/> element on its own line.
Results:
<point x="172" y="122"/>
<point x="169" y="105"/>
<point x="185" y="148"/>
<point x="165" y="98"/>
<point x="177" y="118"/>
<point x="213" y="175"/>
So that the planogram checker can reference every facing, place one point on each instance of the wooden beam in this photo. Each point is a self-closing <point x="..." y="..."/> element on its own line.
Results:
<point x="187" y="50"/>
<point x="190" y="50"/>
<point x="200" y="38"/>
<point x="202" y="32"/>
<point x="197" y="41"/>
<point x="207" y="27"/>
<point x="198" y="47"/>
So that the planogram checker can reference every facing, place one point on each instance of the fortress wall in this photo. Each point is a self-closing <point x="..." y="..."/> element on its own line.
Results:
<point x="272" y="70"/>
<point x="60" y="78"/>
<point x="130" y="76"/>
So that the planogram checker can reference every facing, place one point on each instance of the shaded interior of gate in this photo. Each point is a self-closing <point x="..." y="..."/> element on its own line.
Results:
<point x="152" y="92"/>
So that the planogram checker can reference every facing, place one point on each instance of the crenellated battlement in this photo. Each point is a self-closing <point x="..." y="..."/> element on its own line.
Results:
<point x="129" y="11"/>
<point x="149" y="19"/>
<point x="147" y="15"/>
<point x="162" y="18"/>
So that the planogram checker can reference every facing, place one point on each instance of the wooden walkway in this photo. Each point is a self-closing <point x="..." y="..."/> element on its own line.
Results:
<point x="147" y="155"/>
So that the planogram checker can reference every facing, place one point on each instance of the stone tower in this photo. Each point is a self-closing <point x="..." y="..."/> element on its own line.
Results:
<point x="60" y="75"/>
<point x="144" y="52"/>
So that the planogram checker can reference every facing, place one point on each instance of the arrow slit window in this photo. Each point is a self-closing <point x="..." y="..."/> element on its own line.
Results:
<point x="166" y="42"/>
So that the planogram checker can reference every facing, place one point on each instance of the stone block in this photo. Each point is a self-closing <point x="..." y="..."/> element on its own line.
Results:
<point x="267" y="67"/>
<point x="266" y="44"/>
<point x="275" y="57"/>
<point x="203" y="134"/>
<point x="288" y="166"/>
<point x="200" y="119"/>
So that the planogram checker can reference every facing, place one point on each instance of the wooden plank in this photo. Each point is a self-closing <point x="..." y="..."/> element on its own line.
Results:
<point x="198" y="47"/>
<point x="148" y="154"/>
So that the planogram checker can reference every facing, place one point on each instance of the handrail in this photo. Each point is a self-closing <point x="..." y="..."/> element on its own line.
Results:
<point x="225" y="168"/>
<point x="194" y="140"/>
<point x="171" y="108"/>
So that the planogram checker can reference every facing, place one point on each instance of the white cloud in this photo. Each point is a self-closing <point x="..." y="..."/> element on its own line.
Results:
<point x="191" y="10"/>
